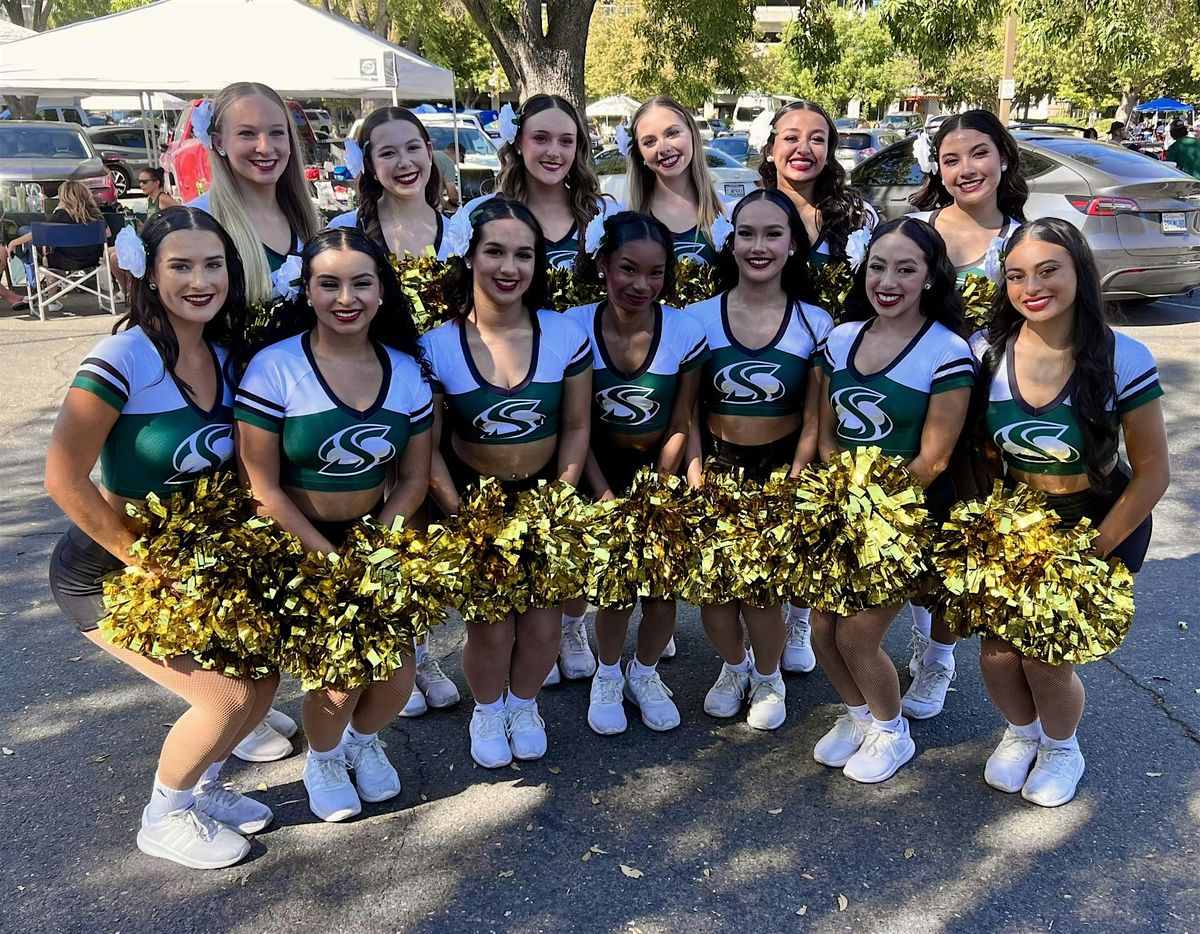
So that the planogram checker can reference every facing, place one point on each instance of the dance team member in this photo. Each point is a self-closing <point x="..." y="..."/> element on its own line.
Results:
<point x="153" y="404"/>
<point x="322" y="417"/>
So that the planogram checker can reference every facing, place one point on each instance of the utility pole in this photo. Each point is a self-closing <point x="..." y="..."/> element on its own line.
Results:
<point x="1008" y="88"/>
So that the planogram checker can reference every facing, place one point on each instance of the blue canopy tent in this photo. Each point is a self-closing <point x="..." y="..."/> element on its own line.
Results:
<point x="1164" y="105"/>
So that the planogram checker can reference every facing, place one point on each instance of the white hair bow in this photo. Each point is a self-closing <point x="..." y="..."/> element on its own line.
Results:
<point x="856" y="247"/>
<point x="201" y="120"/>
<point x="593" y="237"/>
<point x="926" y="158"/>
<point x="286" y="279"/>
<point x="131" y="252"/>
<point x="509" y="123"/>
<point x="993" y="263"/>
<point x="720" y="231"/>
<point x="354" y="157"/>
<point x="624" y="141"/>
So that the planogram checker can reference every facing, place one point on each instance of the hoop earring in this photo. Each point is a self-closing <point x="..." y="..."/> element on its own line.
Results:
<point x="153" y="287"/>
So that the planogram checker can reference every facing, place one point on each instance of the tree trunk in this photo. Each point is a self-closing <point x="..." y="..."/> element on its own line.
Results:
<point x="1129" y="100"/>
<point x="23" y="107"/>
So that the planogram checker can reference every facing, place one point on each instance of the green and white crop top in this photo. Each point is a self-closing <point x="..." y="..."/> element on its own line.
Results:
<point x="977" y="267"/>
<point x="325" y="445"/>
<point x="440" y="245"/>
<point x="694" y="244"/>
<point x="1047" y="439"/>
<point x="482" y="413"/>
<point x="640" y="402"/>
<point x="766" y="382"/>
<point x="887" y="409"/>
<point x="162" y="440"/>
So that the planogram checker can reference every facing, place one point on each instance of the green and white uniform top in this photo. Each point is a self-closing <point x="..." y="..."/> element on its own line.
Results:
<point x="640" y="402"/>
<point x="978" y="267"/>
<point x="482" y="413"/>
<point x="887" y="409"/>
<point x="440" y="245"/>
<point x="274" y="260"/>
<point x="1046" y="439"/>
<point x="820" y="253"/>
<point x="162" y="440"/>
<point x="325" y="445"/>
<point x="560" y="254"/>
<point x="769" y="381"/>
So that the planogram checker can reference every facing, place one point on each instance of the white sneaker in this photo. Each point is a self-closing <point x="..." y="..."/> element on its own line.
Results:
<point x="881" y="754"/>
<point x="1055" y="776"/>
<point x="416" y="706"/>
<point x="919" y="642"/>
<point x="653" y="699"/>
<point x="193" y="839"/>
<point x="669" y="651"/>
<point x="331" y="795"/>
<point x="797" y="652"/>
<point x="281" y="723"/>
<point x="245" y="815"/>
<point x="435" y="684"/>
<point x="926" y="696"/>
<point x="526" y="732"/>
<point x="724" y="698"/>
<point x="575" y="654"/>
<point x="1008" y="766"/>
<point x="553" y="678"/>
<point x="606" y="709"/>
<point x="767" y="703"/>
<point x="835" y="748"/>
<point x="489" y="739"/>
<point x="374" y="776"/>
<point x="264" y="744"/>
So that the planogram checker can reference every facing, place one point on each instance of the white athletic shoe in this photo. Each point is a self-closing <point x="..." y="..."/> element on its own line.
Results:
<point x="554" y="678"/>
<point x="881" y="754"/>
<point x="374" y="776"/>
<point x="575" y="654"/>
<point x="797" y="652"/>
<point x="919" y="642"/>
<point x="725" y="697"/>
<point x="606" y="709"/>
<point x="281" y="723"/>
<point x="526" y="732"/>
<point x="193" y="839"/>
<point x="653" y="699"/>
<point x="435" y="684"/>
<point x="926" y="696"/>
<point x="263" y="744"/>
<point x="835" y="748"/>
<point x="1008" y="766"/>
<point x="1055" y="777"/>
<point x="669" y="651"/>
<point x="489" y="739"/>
<point x="245" y="815"/>
<point x="768" y="707"/>
<point x="331" y="794"/>
<point x="416" y="706"/>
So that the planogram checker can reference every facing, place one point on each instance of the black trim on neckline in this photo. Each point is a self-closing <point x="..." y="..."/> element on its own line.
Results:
<point x="1011" y="369"/>
<point x="441" y="227"/>
<point x="218" y="400"/>
<point x="384" y="361"/>
<point x="908" y="348"/>
<point x="572" y="234"/>
<point x="655" y="340"/>
<point x="491" y="387"/>
<point x="770" y="345"/>
<point x="978" y="264"/>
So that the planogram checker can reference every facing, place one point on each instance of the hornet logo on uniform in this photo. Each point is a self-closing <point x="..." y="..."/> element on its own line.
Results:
<point x="355" y="450"/>
<point x="512" y="418"/>
<point x="627" y="405"/>
<point x="209" y="447"/>
<point x="748" y="382"/>
<point x="859" y="416"/>
<point x="1036" y="443"/>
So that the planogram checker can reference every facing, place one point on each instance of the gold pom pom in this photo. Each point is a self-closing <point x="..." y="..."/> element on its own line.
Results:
<point x="569" y="288"/>
<point x="694" y="282"/>
<point x="265" y="324"/>
<point x="833" y="282"/>
<point x="978" y="292"/>
<point x="426" y="280"/>
<point x="556" y="526"/>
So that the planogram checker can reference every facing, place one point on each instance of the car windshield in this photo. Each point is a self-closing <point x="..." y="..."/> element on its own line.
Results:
<point x="855" y="141"/>
<point x="731" y="145"/>
<point x="470" y="141"/>
<point x="720" y="160"/>
<point x="1123" y="163"/>
<point x="20" y="142"/>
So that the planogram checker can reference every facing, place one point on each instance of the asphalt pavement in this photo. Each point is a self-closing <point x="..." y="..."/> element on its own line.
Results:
<point x="710" y="828"/>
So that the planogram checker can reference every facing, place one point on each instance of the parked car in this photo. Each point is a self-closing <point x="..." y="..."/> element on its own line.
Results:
<point x="739" y="148"/>
<point x="851" y="123"/>
<point x="50" y="154"/>
<point x="731" y="179"/>
<point x="68" y="113"/>
<point x="904" y="122"/>
<point x="1141" y="217"/>
<point x="856" y="145"/>
<point x="319" y="120"/>
<point x="478" y="158"/>
<point x="123" y="151"/>
<point x="712" y="129"/>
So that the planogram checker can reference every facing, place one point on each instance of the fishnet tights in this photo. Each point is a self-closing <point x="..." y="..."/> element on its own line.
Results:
<point x="850" y="651"/>
<point x="1024" y="688"/>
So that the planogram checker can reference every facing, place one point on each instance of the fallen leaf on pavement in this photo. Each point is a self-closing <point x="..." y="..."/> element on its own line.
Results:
<point x="843" y="903"/>
<point x="596" y="849"/>
<point x="802" y="910"/>
<point x="555" y="770"/>
<point x="910" y="853"/>
<point x="775" y="811"/>
<point x="595" y="798"/>
<point x="261" y="786"/>
<point x="1154" y="774"/>
<point x="507" y="873"/>
<point x="8" y="752"/>
<point x="631" y="872"/>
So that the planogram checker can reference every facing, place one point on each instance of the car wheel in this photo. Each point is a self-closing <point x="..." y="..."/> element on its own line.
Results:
<point x="122" y="180"/>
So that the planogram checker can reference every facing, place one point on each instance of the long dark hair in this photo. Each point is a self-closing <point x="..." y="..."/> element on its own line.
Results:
<point x="1012" y="192"/>
<point x="147" y="311"/>
<point x="841" y="208"/>
<point x="370" y="189"/>
<point x="393" y="323"/>
<point x="626" y="227"/>
<point x="940" y="301"/>
<point x="1093" y="380"/>
<point x="462" y="283"/>
<point x="796" y="278"/>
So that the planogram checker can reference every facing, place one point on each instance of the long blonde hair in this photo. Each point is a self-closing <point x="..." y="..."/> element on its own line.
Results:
<point x="77" y="201"/>
<point x="642" y="178"/>
<point x="291" y="193"/>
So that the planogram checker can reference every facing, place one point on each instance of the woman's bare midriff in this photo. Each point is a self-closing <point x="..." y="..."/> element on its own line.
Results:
<point x="328" y="506"/>
<point x="1051" y="483"/>
<point x="506" y="461"/>
<point x="740" y="429"/>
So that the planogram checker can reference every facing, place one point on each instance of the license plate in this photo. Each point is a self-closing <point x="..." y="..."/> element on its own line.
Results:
<point x="1174" y="222"/>
<point x="736" y="191"/>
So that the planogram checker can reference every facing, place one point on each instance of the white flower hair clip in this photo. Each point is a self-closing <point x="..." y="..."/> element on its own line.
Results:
<point x="458" y="234"/>
<point x="993" y="263"/>
<point x="593" y="237"/>
<point x="201" y="121"/>
<point x="285" y="280"/>
<point x="624" y="141"/>
<point x="131" y="252"/>
<point x="856" y="247"/>
<point x="354" y="157"/>
<point x="720" y="231"/>
<point x="509" y="124"/>
<point x="926" y="157"/>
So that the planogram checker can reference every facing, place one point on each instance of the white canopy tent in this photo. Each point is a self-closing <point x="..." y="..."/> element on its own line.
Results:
<point x="10" y="32"/>
<point x="618" y="106"/>
<point x="158" y="102"/>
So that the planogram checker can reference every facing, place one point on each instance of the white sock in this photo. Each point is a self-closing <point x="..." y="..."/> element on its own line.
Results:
<point x="570" y="622"/>
<point x="1029" y="730"/>
<point x="422" y="649"/>
<point x="938" y="653"/>
<point x="494" y="707"/>
<point x="862" y="713"/>
<point x="517" y="703"/>
<point x="210" y="774"/>
<point x="165" y="800"/>
<point x="608" y="671"/>
<point x="759" y="676"/>
<point x="638" y="670"/>
<point x="922" y="620"/>
<point x="891" y="726"/>
<point x="797" y="614"/>
<point x="744" y="665"/>
<point x="333" y="753"/>
<point x="1069" y="743"/>
<point x="353" y="737"/>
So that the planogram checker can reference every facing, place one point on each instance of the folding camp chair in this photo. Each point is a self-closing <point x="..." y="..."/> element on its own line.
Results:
<point x="60" y="281"/>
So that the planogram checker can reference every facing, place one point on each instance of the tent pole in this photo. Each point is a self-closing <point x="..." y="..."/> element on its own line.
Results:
<point x="148" y="128"/>
<point x="457" y="154"/>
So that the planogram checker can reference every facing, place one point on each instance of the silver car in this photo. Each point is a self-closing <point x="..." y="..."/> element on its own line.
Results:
<point x="50" y="154"/>
<point x="1140" y="216"/>
<point x="123" y="149"/>
<point x="856" y="145"/>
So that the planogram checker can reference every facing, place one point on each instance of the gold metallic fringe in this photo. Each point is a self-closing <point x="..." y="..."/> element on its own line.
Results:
<point x="833" y="282"/>
<point x="978" y="292"/>
<point x="426" y="280"/>
<point x="557" y="542"/>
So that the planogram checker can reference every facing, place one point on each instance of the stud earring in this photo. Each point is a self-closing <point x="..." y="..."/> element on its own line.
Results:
<point x="221" y="153"/>
<point x="381" y="303"/>
<point x="926" y="286"/>
<point x="467" y="263"/>
<point x="791" y="252"/>
<point x="1003" y="166"/>
<point x="153" y="287"/>
<point x="600" y="273"/>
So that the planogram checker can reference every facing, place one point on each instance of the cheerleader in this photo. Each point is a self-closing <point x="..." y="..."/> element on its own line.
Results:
<point x="758" y="399"/>
<point x="899" y="377"/>
<point x="146" y="401"/>
<point x="1058" y="391"/>
<point x="322" y="418"/>
<point x="974" y="196"/>
<point x="516" y="382"/>
<point x="669" y="178"/>
<point x="644" y="385"/>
